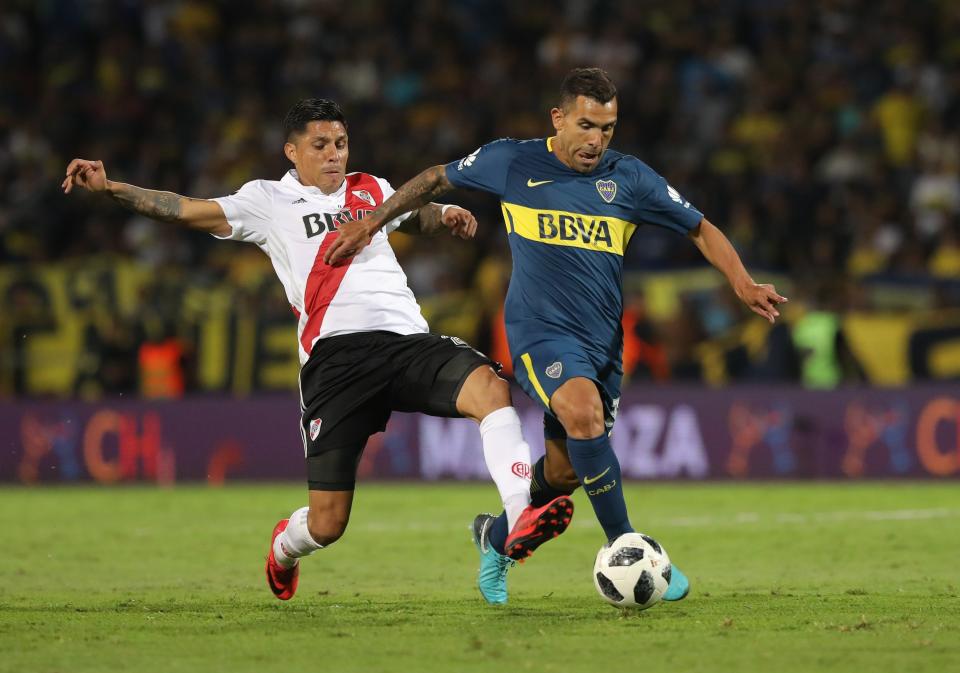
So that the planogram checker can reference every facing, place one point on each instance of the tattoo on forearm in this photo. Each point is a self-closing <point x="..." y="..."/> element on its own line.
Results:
<point x="430" y="222"/>
<point x="415" y="193"/>
<point x="164" y="206"/>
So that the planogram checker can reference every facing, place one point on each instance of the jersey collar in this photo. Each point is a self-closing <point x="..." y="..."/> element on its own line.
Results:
<point x="292" y="179"/>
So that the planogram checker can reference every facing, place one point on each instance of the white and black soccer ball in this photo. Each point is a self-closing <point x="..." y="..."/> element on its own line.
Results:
<point x="632" y="572"/>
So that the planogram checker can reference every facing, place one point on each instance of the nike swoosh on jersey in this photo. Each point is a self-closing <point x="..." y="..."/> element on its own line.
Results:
<point x="536" y="183"/>
<point x="590" y="480"/>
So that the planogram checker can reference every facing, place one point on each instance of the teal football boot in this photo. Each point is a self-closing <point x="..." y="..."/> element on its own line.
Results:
<point x="492" y="579"/>
<point x="679" y="586"/>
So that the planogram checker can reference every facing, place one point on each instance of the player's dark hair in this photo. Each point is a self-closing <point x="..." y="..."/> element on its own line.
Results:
<point x="311" y="110"/>
<point x="593" y="83"/>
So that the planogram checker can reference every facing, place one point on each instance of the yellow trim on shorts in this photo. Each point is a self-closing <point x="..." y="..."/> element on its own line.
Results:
<point x="528" y="363"/>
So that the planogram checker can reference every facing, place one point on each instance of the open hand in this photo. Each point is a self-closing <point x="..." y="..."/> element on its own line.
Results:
<point x="762" y="300"/>
<point x="461" y="222"/>
<point x="87" y="174"/>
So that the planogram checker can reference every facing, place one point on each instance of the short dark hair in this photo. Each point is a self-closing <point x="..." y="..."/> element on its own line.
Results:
<point x="593" y="83"/>
<point x="311" y="110"/>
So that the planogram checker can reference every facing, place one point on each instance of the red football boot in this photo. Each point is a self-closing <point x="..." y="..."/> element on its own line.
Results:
<point x="282" y="581"/>
<point x="537" y="525"/>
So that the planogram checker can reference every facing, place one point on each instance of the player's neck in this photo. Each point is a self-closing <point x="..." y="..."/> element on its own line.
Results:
<point x="561" y="153"/>
<point x="327" y="189"/>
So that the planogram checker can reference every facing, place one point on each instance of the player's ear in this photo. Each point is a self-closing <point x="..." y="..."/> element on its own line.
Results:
<point x="556" y="116"/>
<point x="290" y="150"/>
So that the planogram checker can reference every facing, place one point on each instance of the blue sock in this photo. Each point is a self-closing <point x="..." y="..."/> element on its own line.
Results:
<point x="498" y="534"/>
<point x="541" y="491"/>
<point x="599" y="471"/>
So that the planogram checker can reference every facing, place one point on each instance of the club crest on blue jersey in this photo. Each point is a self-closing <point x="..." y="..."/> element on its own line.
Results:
<point x="607" y="189"/>
<point x="555" y="370"/>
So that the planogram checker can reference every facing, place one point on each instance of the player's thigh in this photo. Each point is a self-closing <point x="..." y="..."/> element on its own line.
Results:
<point x="432" y="373"/>
<point x="333" y="454"/>
<point x="545" y="368"/>
<point x="346" y="371"/>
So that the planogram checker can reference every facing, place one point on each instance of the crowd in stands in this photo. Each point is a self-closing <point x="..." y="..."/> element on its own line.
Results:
<point x="822" y="137"/>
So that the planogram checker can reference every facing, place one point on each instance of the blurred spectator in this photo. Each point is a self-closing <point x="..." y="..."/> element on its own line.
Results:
<point x="825" y="355"/>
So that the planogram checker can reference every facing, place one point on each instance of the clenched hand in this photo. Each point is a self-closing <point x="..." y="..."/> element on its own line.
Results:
<point x="87" y="174"/>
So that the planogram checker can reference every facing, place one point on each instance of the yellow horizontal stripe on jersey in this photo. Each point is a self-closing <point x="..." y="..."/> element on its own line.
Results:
<point x="576" y="230"/>
<point x="532" y="375"/>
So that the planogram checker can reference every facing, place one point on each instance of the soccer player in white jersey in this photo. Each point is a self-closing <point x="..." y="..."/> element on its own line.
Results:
<point x="365" y="349"/>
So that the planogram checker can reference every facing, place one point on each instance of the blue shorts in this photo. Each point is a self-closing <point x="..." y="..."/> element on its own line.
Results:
<point x="542" y="367"/>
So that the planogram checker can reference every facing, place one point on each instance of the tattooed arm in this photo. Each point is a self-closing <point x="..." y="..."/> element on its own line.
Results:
<point x="413" y="194"/>
<point x="433" y="218"/>
<point x="164" y="206"/>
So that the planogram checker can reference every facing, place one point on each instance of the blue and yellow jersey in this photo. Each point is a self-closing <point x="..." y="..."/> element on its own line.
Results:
<point x="568" y="232"/>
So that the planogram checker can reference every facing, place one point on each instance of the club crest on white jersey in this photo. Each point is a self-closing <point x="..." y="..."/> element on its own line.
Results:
<point x="365" y="196"/>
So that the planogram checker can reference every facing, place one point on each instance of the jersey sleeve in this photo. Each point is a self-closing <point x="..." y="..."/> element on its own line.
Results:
<point x="248" y="211"/>
<point x="485" y="168"/>
<point x="388" y="191"/>
<point x="661" y="205"/>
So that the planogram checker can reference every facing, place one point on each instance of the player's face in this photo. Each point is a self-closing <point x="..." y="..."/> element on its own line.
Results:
<point x="584" y="129"/>
<point x="320" y="155"/>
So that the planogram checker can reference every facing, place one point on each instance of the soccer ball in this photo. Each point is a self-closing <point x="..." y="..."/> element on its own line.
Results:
<point x="632" y="572"/>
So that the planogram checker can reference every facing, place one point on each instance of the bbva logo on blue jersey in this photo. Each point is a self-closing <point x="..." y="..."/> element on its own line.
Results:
<point x="572" y="228"/>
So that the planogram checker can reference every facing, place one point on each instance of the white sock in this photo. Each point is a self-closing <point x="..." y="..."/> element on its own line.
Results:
<point x="295" y="541"/>
<point x="508" y="459"/>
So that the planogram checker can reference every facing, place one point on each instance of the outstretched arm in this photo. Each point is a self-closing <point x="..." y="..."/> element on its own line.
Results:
<point x="197" y="214"/>
<point x="761" y="299"/>
<point x="413" y="194"/>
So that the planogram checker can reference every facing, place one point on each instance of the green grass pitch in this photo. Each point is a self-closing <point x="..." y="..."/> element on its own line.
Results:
<point x="786" y="577"/>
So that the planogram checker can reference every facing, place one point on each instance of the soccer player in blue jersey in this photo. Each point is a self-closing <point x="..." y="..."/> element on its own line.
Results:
<point x="570" y="207"/>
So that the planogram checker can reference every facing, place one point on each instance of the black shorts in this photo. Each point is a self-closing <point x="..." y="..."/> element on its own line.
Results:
<point x="352" y="383"/>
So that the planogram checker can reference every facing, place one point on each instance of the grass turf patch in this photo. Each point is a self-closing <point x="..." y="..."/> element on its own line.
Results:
<point x="797" y="577"/>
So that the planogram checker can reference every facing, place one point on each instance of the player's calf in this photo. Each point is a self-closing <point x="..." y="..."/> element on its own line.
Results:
<point x="552" y="477"/>
<point x="325" y="528"/>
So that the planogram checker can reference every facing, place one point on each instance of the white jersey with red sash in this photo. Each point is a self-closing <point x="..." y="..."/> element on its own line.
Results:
<point x="295" y="224"/>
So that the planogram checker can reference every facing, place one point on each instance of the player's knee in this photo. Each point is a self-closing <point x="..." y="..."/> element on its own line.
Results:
<point x="326" y="527"/>
<point x="581" y="421"/>
<point x="483" y="393"/>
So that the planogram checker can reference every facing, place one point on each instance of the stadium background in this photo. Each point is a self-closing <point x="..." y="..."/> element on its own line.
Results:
<point x="822" y="137"/>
